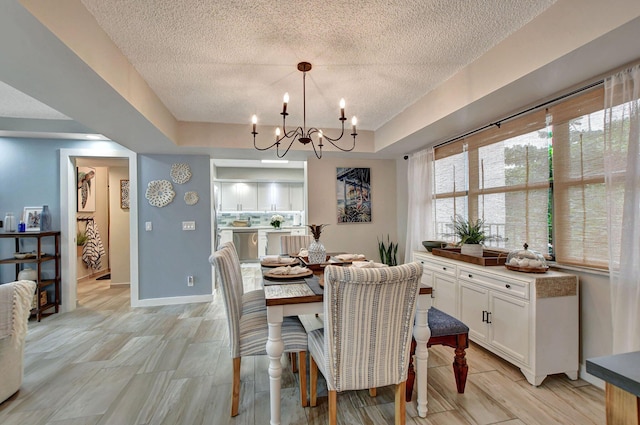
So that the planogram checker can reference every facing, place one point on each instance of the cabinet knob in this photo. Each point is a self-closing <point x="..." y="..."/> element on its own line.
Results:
<point x="444" y="268"/>
<point x="507" y="286"/>
<point x="471" y="276"/>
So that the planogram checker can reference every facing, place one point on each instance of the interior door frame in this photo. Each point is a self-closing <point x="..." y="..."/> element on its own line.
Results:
<point x="68" y="193"/>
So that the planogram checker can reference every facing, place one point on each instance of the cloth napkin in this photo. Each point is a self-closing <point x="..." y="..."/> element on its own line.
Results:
<point x="350" y="257"/>
<point x="288" y="270"/>
<point x="303" y="252"/>
<point x="278" y="259"/>
<point x="368" y="264"/>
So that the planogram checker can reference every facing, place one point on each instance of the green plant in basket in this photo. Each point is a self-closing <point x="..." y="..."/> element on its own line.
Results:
<point x="81" y="238"/>
<point x="469" y="231"/>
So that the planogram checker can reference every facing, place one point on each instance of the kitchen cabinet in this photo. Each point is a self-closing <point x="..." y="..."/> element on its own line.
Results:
<point x="528" y="319"/>
<point x="225" y="236"/>
<point x="277" y="196"/>
<point x="296" y="196"/>
<point x="273" y="197"/>
<point x="238" y="196"/>
<point x="47" y="294"/>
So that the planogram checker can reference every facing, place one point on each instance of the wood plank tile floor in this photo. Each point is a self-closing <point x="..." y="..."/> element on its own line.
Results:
<point x="106" y="363"/>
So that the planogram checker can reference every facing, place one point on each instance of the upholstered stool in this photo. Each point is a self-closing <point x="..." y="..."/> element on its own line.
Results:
<point x="449" y="331"/>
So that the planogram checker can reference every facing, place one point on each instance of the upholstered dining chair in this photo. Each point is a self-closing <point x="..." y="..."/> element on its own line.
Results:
<point x="252" y="301"/>
<point x="291" y="244"/>
<point x="368" y="325"/>
<point x="248" y="330"/>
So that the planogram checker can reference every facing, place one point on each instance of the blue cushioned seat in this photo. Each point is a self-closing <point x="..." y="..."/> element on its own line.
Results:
<point x="441" y="324"/>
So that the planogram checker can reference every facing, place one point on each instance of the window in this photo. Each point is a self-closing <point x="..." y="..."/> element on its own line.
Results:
<point x="537" y="179"/>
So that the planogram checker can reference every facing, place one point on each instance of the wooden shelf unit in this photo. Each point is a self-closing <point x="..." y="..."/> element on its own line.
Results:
<point x="53" y="299"/>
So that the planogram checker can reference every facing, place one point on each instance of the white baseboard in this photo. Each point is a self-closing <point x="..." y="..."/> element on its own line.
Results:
<point x="154" y="302"/>
<point x="597" y="382"/>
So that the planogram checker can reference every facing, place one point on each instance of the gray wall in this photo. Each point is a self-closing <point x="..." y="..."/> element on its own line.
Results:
<point x="167" y="254"/>
<point x="30" y="176"/>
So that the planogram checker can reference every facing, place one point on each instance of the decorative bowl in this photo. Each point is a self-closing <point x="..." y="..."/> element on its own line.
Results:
<point x="433" y="244"/>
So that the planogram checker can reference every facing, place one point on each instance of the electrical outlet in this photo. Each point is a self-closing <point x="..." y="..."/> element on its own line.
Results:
<point x="189" y="280"/>
<point x="188" y="225"/>
<point x="148" y="226"/>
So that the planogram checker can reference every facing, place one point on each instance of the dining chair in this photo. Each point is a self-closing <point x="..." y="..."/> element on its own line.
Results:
<point x="365" y="342"/>
<point x="248" y="331"/>
<point x="291" y="244"/>
<point x="253" y="300"/>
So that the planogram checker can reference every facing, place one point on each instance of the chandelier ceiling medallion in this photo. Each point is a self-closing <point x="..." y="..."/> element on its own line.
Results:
<point x="302" y="134"/>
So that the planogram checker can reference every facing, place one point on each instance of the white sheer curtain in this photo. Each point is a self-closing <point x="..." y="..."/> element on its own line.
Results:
<point x="622" y="178"/>
<point x="420" y="196"/>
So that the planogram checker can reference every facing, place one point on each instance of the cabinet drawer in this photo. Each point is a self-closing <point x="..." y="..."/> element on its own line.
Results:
<point x="517" y="288"/>
<point x="440" y="267"/>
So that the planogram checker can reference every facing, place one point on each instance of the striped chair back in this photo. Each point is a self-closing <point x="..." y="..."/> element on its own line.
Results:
<point x="237" y="267"/>
<point x="230" y="280"/>
<point x="291" y="244"/>
<point x="369" y="314"/>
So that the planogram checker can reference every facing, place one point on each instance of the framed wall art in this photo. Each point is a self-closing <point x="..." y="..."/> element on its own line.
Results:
<point x="86" y="189"/>
<point x="353" y="195"/>
<point x="124" y="194"/>
<point x="31" y="217"/>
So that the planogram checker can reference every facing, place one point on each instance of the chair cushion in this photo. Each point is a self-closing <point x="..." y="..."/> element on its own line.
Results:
<point x="441" y="324"/>
<point x="254" y="332"/>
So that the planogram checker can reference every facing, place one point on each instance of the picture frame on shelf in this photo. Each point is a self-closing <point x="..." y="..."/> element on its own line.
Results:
<point x="31" y="217"/>
<point x="124" y="194"/>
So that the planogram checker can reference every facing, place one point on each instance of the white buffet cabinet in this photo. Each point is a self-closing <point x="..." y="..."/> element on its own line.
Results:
<point x="529" y="319"/>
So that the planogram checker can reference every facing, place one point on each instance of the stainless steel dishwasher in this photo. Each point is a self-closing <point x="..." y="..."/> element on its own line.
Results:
<point x="246" y="242"/>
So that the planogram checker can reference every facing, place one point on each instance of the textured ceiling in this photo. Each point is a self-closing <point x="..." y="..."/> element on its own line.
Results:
<point x="222" y="61"/>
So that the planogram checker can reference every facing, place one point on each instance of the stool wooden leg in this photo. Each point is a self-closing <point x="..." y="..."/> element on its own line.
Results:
<point x="460" y="368"/>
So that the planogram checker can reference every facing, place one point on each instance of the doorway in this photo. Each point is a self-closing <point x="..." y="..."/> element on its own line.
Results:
<point x="69" y="224"/>
<point x="102" y="232"/>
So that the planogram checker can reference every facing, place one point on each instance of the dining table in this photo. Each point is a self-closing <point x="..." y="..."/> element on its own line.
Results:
<point x="293" y="296"/>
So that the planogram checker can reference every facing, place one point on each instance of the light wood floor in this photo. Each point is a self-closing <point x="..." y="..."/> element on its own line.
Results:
<point x="106" y="363"/>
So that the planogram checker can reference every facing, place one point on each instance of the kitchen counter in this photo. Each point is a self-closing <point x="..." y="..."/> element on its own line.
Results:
<point x="267" y="228"/>
<point x="622" y="376"/>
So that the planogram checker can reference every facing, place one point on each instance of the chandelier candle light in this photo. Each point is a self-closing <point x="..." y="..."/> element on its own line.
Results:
<point x="302" y="134"/>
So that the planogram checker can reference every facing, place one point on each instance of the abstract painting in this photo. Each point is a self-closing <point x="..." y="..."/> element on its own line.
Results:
<point x="124" y="194"/>
<point x="354" y="195"/>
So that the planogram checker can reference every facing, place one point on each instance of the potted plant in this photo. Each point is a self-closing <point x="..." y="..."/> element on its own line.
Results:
<point x="471" y="234"/>
<point x="388" y="253"/>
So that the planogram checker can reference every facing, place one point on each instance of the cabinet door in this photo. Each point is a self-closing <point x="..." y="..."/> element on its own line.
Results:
<point x="226" y="236"/>
<point x="474" y="303"/>
<point x="281" y="200"/>
<point x="509" y="328"/>
<point x="265" y="200"/>
<point x="296" y="196"/>
<point x="445" y="294"/>
<point x="228" y="199"/>
<point x="247" y="196"/>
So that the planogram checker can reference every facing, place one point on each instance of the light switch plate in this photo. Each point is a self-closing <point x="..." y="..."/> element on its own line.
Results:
<point x="188" y="225"/>
<point x="148" y="226"/>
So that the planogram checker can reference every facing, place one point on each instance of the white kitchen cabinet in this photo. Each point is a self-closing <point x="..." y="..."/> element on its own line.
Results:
<point x="528" y="319"/>
<point x="238" y="196"/>
<point x="299" y="231"/>
<point x="273" y="197"/>
<point x="296" y="196"/>
<point x="225" y="236"/>
<point x="262" y="243"/>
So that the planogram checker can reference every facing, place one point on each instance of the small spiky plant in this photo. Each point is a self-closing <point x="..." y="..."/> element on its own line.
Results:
<point x="469" y="231"/>
<point x="316" y="229"/>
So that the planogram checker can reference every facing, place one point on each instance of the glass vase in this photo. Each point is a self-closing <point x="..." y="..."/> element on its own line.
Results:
<point x="45" y="219"/>
<point x="317" y="253"/>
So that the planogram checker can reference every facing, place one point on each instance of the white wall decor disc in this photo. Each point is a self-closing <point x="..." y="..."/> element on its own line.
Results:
<point x="180" y="173"/>
<point x="160" y="193"/>
<point x="191" y="198"/>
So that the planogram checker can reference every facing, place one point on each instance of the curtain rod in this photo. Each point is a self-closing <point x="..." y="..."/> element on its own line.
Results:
<point x="517" y="114"/>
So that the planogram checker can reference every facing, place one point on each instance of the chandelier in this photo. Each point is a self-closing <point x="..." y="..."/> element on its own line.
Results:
<point x="302" y="134"/>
